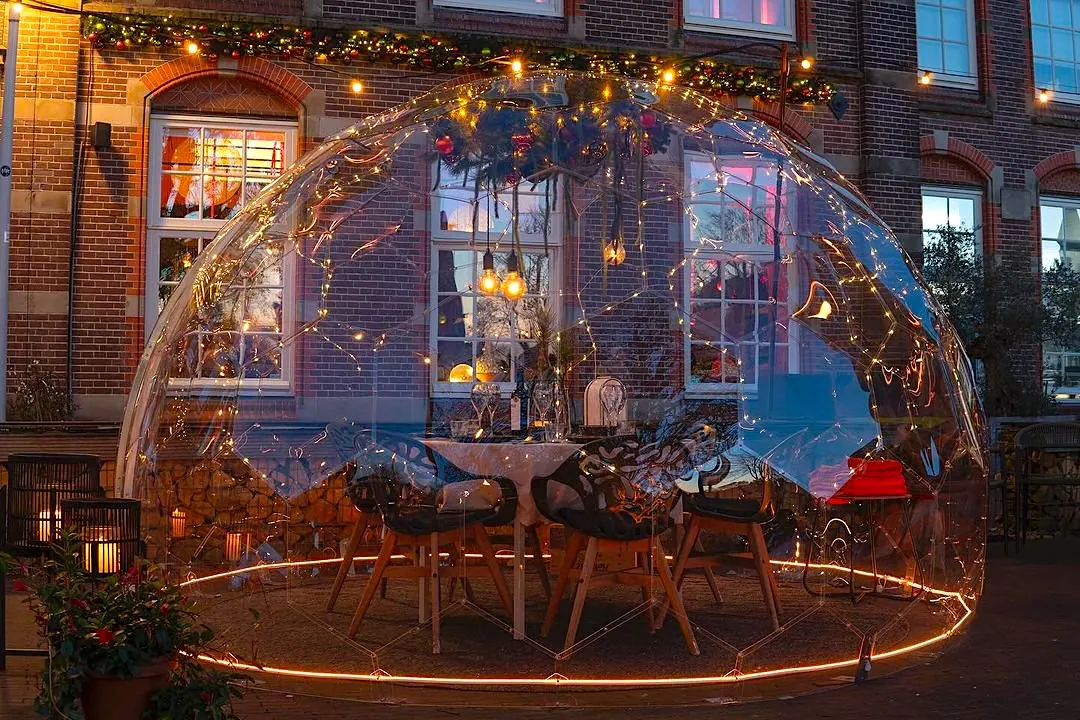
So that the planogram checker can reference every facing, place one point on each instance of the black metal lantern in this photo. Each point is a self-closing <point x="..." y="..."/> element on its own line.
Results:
<point x="108" y="533"/>
<point x="37" y="486"/>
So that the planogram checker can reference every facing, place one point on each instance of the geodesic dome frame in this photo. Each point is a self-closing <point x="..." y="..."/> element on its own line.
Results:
<point x="764" y="324"/>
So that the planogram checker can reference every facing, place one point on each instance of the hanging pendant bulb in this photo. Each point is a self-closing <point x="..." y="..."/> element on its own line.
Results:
<point x="489" y="280"/>
<point x="513" y="287"/>
<point x="615" y="252"/>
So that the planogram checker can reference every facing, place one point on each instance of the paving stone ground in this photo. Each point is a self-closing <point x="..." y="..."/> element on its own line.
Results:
<point x="1019" y="659"/>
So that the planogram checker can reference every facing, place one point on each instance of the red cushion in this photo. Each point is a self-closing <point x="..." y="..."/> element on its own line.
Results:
<point x="872" y="479"/>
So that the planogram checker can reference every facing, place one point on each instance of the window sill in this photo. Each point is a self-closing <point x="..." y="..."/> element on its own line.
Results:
<point x="211" y="388"/>
<point x="725" y="391"/>
<point x="753" y="31"/>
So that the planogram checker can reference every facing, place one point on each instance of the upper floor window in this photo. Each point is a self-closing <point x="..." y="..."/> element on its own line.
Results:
<point x="951" y="211"/>
<point x="733" y="276"/>
<point x="946" y="30"/>
<point x="202" y="171"/>
<point x="1055" y="42"/>
<point x="484" y="336"/>
<point x="766" y="18"/>
<point x="552" y="8"/>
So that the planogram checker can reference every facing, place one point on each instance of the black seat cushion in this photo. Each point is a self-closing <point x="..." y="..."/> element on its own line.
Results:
<point x="726" y="508"/>
<point x="424" y="521"/>
<point x="621" y="526"/>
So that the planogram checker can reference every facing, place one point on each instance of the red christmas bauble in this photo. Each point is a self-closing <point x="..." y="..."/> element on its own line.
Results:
<point x="354" y="53"/>
<point x="236" y="54"/>
<point x="120" y="44"/>
<point x="445" y="144"/>
<point x="648" y="119"/>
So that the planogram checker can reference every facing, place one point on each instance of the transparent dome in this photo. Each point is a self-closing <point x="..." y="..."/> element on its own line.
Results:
<point x="569" y="331"/>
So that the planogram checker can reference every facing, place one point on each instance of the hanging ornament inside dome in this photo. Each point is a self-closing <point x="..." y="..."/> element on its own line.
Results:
<point x="615" y="252"/>
<point x="513" y="286"/>
<point x="445" y="144"/>
<point x="489" y="279"/>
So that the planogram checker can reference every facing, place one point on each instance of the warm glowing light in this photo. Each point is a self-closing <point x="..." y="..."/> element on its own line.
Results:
<point x="614" y="253"/>
<point x="178" y="523"/>
<point x="358" y="336"/>
<point x="427" y="360"/>
<point x="462" y="372"/>
<point x="357" y="86"/>
<point x="668" y="77"/>
<point x="48" y="525"/>
<point x="489" y="282"/>
<point x="926" y="77"/>
<point x="101" y="555"/>
<point x="236" y="544"/>
<point x="806" y="63"/>
<point x="513" y="287"/>
<point x="1044" y="95"/>
<point x="16" y="9"/>
<point x="193" y="47"/>
<point x="516" y="66"/>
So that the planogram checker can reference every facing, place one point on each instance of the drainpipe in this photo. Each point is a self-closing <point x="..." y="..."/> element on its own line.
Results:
<point x="7" y="131"/>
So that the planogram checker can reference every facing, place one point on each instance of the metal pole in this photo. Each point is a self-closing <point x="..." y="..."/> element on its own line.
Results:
<point x="7" y="131"/>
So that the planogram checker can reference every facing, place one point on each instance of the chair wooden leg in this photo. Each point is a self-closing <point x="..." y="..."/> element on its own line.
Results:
<point x="573" y="549"/>
<point x="651" y="613"/>
<point x="347" y="560"/>
<point x="664" y="571"/>
<point x="764" y="570"/>
<point x="483" y="542"/>
<point x="436" y="609"/>
<point x="582" y="590"/>
<point x="538" y="560"/>
<point x="385" y="553"/>
<point x="690" y="540"/>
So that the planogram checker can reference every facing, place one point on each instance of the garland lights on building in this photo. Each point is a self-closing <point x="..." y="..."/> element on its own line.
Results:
<point x="437" y="54"/>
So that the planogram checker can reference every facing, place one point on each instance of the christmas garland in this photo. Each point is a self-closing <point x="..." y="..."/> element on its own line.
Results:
<point x="429" y="53"/>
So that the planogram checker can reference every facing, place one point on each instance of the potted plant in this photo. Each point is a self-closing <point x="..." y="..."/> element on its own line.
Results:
<point x="121" y="647"/>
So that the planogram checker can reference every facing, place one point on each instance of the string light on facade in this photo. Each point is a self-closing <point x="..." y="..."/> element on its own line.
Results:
<point x="926" y="77"/>
<point x="1044" y="95"/>
<point x="356" y="86"/>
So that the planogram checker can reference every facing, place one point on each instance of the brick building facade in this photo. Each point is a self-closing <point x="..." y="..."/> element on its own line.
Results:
<point x="87" y="239"/>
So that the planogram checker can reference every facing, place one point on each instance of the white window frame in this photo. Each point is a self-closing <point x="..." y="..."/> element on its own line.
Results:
<point x="553" y="8"/>
<point x="1058" y="95"/>
<point x="1063" y="356"/>
<point x="734" y="27"/>
<point x="756" y="254"/>
<point x="158" y="228"/>
<point x="500" y="243"/>
<point x="943" y="78"/>
<point x="958" y="192"/>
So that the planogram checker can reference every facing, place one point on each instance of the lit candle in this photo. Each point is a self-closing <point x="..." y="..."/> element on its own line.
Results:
<point x="178" y="523"/>
<point x="48" y="525"/>
<point x="235" y="544"/>
<point x="101" y="555"/>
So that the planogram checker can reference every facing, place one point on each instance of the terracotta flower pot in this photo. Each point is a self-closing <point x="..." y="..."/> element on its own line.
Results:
<point x="112" y="698"/>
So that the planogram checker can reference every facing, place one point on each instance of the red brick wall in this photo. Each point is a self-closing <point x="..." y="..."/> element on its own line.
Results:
<point x="868" y="49"/>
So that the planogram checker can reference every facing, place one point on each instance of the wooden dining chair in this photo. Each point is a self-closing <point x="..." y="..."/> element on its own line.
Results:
<point x="359" y="492"/>
<point x="414" y="490"/>
<point x="622" y="494"/>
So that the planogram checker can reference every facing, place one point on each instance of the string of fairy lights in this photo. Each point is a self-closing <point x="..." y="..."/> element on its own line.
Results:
<point x="468" y="105"/>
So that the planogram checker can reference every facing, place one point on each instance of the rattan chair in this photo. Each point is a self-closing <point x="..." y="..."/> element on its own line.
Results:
<point x="1047" y="454"/>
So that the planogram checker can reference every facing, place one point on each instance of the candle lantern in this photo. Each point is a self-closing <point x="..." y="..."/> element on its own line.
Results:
<point x="108" y="531"/>
<point x="237" y="542"/>
<point x="37" y="487"/>
<point x="178" y="524"/>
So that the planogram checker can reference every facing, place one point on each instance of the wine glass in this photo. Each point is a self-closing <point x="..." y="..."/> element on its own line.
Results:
<point x="494" y="395"/>
<point x="612" y="401"/>
<point x="543" y="396"/>
<point x="481" y="400"/>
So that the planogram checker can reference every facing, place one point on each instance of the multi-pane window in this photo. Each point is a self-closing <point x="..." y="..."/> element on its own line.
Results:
<point x="1055" y="46"/>
<point x="1059" y="222"/>
<point x="202" y="173"/>
<point x="552" y="8"/>
<point x="771" y="18"/>
<point x="951" y="212"/>
<point x="735" y="331"/>
<point x="946" y="30"/>
<point x="485" y="337"/>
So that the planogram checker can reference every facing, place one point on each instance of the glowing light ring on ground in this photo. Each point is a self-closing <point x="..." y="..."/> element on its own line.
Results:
<point x="560" y="681"/>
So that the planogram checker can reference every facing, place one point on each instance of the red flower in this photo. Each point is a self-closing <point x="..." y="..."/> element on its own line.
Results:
<point x="132" y="574"/>
<point x="105" y="636"/>
<point x="20" y="586"/>
<point x="206" y="697"/>
<point x="78" y="604"/>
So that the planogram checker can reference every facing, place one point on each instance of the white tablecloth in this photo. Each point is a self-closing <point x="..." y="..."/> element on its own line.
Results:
<point x="518" y="462"/>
